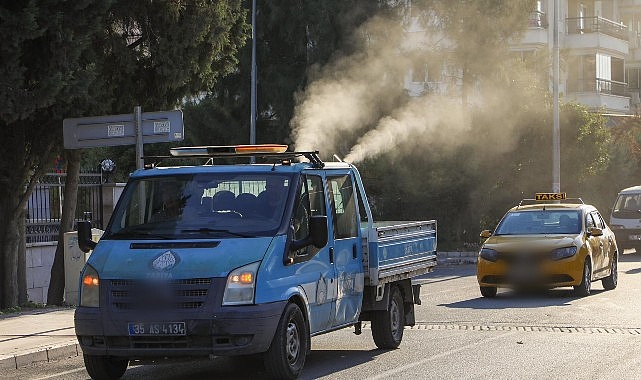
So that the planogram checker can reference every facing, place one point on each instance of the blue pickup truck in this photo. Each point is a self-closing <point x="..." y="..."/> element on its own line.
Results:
<point x="227" y="259"/>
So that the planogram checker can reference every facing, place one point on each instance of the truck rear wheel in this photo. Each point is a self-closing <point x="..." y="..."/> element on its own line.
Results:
<point x="388" y="325"/>
<point x="286" y="355"/>
<point x="105" y="367"/>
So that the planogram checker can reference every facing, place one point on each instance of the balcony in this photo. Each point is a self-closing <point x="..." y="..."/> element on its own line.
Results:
<point x="536" y="34"/>
<point x="600" y="94"/>
<point x="596" y="33"/>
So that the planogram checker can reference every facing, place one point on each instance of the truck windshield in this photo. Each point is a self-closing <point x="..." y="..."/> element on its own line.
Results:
<point x="627" y="206"/>
<point x="201" y="206"/>
<point x="540" y="222"/>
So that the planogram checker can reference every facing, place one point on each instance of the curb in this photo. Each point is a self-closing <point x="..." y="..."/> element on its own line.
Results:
<point x="46" y="354"/>
<point x="456" y="258"/>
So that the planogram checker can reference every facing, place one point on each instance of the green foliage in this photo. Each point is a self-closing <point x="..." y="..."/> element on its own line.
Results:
<point x="64" y="59"/>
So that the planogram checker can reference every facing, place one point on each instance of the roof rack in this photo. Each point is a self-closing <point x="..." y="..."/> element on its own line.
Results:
<point x="530" y="201"/>
<point x="241" y="151"/>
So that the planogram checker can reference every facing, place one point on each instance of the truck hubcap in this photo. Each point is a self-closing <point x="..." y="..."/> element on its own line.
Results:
<point x="293" y="342"/>
<point x="395" y="315"/>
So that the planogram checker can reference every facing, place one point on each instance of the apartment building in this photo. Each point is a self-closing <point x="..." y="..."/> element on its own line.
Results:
<point x="600" y="50"/>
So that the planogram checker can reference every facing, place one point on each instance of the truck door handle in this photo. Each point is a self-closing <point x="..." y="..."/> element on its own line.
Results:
<point x="331" y="255"/>
<point x="354" y="252"/>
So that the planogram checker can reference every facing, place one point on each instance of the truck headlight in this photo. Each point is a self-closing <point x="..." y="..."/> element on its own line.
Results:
<point x="241" y="283"/>
<point x="89" y="287"/>
<point x="489" y="254"/>
<point x="563" y="253"/>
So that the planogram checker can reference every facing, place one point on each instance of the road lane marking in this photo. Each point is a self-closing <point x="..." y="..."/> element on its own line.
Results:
<point x="387" y="374"/>
<point x="521" y="328"/>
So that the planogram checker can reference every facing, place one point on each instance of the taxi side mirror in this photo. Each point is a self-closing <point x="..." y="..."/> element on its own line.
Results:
<point x="595" y="231"/>
<point x="485" y="234"/>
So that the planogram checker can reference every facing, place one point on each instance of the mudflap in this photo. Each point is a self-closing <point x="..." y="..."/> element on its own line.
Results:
<point x="373" y="300"/>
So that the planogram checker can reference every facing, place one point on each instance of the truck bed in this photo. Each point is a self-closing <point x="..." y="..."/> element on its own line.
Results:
<point x="398" y="250"/>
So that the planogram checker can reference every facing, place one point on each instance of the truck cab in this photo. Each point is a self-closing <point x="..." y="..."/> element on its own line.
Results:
<point x="233" y="260"/>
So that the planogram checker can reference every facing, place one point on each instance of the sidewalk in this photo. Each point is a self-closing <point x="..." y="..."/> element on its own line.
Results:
<point x="34" y="336"/>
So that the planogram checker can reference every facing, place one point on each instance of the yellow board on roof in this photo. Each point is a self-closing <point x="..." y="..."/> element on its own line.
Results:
<point x="549" y="196"/>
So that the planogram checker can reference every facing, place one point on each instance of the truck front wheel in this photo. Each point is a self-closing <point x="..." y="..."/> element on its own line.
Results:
<point x="388" y="325"/>
<point x="286" y="355"/>
<point x="105" y="367"/>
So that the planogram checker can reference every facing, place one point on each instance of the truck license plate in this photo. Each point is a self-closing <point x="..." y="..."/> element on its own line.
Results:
<point x="634" y="237"/>
<point x="160" y="328"/>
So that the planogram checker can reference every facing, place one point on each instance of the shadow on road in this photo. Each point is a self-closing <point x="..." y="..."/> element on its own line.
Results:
<point x="319" y="363"/>
<point x="511" y="299"/>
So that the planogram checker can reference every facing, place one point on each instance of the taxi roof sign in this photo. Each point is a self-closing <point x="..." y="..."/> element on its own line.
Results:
<point x="550" y="196"/>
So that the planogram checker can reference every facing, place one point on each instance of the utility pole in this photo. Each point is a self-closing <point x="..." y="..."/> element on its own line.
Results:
<point x="252" y="121"/>
<point x="556" y="133"/>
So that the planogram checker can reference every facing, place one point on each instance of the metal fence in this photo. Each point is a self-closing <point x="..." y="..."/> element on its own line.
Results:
<point x="44" y="209"/>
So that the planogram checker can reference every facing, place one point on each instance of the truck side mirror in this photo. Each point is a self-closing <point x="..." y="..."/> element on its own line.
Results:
<point x="84" y="236"/>
<point x="485" y="234"/>
<point x="318" y="230"/>
<point x="317" y="234"/>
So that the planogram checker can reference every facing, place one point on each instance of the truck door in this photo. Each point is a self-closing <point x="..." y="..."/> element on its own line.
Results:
<point x="346" y="255"/>
<point x="313" y="265"/>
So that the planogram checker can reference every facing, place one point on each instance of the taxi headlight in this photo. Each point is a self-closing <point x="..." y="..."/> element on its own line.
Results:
<point x="489" y="254"/>
<point x="563" y="253"/>
<point x="241" y="283"/>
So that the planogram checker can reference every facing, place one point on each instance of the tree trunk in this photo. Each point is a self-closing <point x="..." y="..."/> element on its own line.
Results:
<point x="55" y="293"/>
<point x="10" y="251"/>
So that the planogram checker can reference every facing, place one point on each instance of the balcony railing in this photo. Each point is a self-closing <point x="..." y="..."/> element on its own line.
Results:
<point x="581" y="25"/>
<point x="537" y="19"/>
<point x="600" y="86"/>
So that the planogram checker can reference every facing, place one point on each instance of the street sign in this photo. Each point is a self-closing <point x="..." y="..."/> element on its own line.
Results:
<point x="113" y="130"/>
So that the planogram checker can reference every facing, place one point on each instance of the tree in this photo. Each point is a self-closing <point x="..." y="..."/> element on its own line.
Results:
<point x="474" y="35"/>
<point x="67" y="59"/>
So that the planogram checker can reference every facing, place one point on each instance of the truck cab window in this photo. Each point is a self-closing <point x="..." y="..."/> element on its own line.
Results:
<point x="343" y="206"/>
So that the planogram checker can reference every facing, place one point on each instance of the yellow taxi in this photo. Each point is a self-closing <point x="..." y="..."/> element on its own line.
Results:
<point x="545" y="244"/>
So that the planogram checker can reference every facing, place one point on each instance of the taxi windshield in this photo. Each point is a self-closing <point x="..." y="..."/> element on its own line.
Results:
<point x="201" y="206"/>
<point x="533" y="222"/>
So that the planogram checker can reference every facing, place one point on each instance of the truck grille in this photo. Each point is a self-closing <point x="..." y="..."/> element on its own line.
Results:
<point x="158" y="295"/>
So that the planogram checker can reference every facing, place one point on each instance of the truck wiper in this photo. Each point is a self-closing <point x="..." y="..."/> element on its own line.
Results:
<point x="206" y="230"/>
<point x="136" y="233"/>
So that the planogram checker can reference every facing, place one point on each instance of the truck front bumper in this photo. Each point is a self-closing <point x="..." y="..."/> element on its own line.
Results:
<point x="236" y="330"/>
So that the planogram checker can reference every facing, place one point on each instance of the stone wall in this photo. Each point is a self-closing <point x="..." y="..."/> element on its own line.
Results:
<point x="39" y="260"/>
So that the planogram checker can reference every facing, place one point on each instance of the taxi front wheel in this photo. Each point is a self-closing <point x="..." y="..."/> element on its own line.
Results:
<point x="583" y="289"/>
<point x="488" y="291"/>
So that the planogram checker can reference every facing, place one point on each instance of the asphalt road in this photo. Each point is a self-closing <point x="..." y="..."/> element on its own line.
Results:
<point x="459" y="335"/>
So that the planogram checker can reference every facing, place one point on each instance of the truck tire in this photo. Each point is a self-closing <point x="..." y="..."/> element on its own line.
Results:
<point x="388" y="325"/>
<point x="286" y="355"/>
<point x="105" y="367"/>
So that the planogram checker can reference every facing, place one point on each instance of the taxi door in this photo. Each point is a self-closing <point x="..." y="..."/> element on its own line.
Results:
<point x="595" y="243"/>
<point x="607" y="248"/>
<point x="346" y="254"/>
